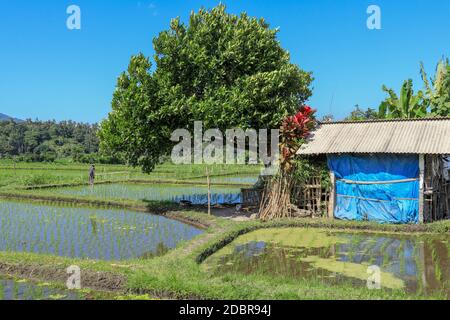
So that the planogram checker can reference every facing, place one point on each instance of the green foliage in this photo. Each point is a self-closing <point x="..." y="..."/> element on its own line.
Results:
<point x="223" y="69"/>
<point x="36" y="179"/>
<point x="434" y="101"/>
<point x="359" y="114"/>
<point x="407" y="105"/>
<point x="438" y="92"/>
<point x="139" y="126"/>
<point x="39" y="141"/>
<point x="306" y="168"/>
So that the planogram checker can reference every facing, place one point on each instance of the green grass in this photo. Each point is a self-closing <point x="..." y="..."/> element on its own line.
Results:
<point x="179" y="274"/>
<point x="20" y="175"/>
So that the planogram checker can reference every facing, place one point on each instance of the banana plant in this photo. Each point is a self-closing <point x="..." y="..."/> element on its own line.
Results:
<point x="407" y="105"/>
<point x="438" y="92"/>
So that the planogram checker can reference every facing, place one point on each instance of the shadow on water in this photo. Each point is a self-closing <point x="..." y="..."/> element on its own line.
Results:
<point x="418" y="264"/>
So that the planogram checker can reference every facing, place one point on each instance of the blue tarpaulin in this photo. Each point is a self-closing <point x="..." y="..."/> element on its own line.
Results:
<point x="382" y="188"/>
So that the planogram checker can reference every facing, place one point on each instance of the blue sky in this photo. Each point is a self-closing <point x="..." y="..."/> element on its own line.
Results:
<point x="50" y="72"/>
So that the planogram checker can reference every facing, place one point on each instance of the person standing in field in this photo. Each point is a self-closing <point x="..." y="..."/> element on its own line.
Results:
<point x="92" y="175"/>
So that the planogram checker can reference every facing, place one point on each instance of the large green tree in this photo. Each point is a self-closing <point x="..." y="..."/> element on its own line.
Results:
<point x="139" y="124"/>
<point x="223" y="69"/>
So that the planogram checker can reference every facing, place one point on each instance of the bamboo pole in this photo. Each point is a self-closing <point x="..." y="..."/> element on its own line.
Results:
<point x="332" y="197"/>
<point x="208" y="181"/>
<point x="421" y="187"/>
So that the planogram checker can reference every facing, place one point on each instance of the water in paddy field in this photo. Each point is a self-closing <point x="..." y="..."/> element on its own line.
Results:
<point x="106" y="234"/>
<point x="24" y="290"/>
<point x="240" y="179"/>
<point x="419" y="264"/>
<point x="157" y="192"/>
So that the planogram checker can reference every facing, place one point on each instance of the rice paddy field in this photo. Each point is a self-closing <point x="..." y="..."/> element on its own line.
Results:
<point x="19" y="175"/>
<point x="51" y="219"/>
<point x="196" y="194"/>
<point x="416" y="264"/>
<point x="105" y="234"/>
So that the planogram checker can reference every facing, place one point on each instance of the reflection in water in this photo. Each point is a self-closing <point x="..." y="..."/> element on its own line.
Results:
<point x="417" y="264"/>
<point x="24" y="290"/>
<point x="104" y="234"/>
<point x="422" y="262"/>
<point x="160" y="250"/>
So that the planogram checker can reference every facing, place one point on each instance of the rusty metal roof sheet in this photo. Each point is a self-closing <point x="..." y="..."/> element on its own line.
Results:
<point x="413" y="136"/>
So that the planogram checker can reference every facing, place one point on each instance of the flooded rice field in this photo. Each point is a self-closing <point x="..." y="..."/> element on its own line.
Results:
<point x="105" y="234"/>
<point x="11" y="289"/>
<point x="238" y="179"/>
<point x="157" y="192"/>
<point x="419" y="264"/>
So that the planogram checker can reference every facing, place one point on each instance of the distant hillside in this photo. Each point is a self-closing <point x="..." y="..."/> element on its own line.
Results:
<point x="35" y="141"/>
<point x="4" y="117"/>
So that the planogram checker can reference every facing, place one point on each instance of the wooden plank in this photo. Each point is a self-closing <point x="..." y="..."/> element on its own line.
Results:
<point x="378" y="182"/>
<point x="332" y="200"/>
<point x="421" y="187"/>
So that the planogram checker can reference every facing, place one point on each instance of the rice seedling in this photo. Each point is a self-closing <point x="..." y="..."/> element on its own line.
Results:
<point x="273" y="252"/>
<point x="12" y="289"/>
<point x="104" y="234"/>
<point x="196" y="194"/>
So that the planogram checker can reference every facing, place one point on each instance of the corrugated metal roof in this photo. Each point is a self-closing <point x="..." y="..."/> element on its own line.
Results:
<point x="414" y="136"/>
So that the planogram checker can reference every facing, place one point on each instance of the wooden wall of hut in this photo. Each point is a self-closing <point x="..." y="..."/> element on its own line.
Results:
<point x="312" y="197"/>
<point x="436" y="189"/>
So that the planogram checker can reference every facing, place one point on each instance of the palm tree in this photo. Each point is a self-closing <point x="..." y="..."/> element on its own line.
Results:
<point x="407" y="106"/>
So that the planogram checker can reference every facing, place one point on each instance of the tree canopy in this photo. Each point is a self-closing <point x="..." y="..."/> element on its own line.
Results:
<point x="48" y="140"/>
<point x="359" y="114"/>
<point x="225" y="70"/>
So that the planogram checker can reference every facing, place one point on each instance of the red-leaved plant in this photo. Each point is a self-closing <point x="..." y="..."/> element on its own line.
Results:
<point x="294" y="130"/>
<point x="276" y="199"/>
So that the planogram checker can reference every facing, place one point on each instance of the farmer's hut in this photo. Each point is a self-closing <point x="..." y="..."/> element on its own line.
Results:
<point x="390" y="171"/>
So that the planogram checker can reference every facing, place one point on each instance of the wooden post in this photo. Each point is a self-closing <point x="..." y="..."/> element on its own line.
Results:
<point x="421" y="187"/>
<point x="208" y="181"/>
<point x="332" y="200"/>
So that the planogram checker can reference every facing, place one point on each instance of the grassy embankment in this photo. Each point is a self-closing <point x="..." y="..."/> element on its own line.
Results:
<point x="179" y="274"/>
